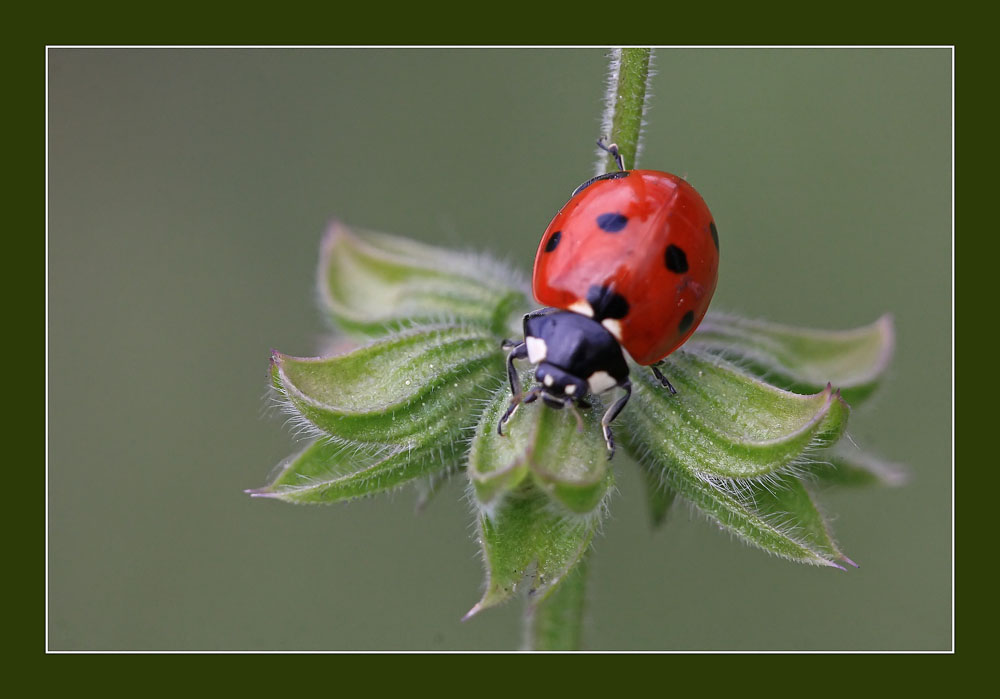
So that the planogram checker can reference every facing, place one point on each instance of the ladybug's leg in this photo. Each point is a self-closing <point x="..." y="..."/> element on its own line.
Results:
<point x="529" y="397"/>
<point x="517" y="351"/>
<point x="532" y="395"/>
<point x="592" y="180"/>
<point x="612" y="148"/>
<point x="612" y="414"/>
<point x="663" y="380"/>
<point x="539" y="312"/>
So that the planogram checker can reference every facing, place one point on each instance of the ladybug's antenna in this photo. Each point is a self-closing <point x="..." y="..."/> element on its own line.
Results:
<point x="612" y="148"/>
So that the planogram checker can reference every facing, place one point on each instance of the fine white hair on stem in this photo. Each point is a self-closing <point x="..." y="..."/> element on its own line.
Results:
<point x="611" y="101"/>
<point x="610" y="98"/>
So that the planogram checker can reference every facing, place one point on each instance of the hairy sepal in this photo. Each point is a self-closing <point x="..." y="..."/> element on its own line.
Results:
<point x="526" y="537"/>
<point x="659" y="495"/>
<point x="845" y="465"/>
<point x="780" y="517"/>
<point x="373" y="283"/>
<point x="802" y="359"/>
<point x="546" y="446"/>
<point x="725" y="424"/>
<point x="327" y="472"/>
<point x="396" y="390"/>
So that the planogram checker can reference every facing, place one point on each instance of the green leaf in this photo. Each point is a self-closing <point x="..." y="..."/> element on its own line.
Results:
<point x="566" y="459"/>
<point x="373" y="283"/>
<point x="327" y="472"/>
<point x="395" y="390"/>
<point x="523" y="535"/>
<point x="802" y="359"/>
<point x="725" y="424"/>
<point x="847" y="466"/>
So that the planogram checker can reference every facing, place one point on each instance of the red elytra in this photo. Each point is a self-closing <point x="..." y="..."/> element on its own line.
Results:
<point x="647" y="236"/>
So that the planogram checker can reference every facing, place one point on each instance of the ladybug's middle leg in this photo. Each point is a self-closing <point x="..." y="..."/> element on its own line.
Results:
<point x="663" y="380"/>
<point x="518" y="351"/>
<point x="612" y="413"/>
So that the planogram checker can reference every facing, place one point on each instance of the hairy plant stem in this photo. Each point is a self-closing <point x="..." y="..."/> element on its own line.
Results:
<point x="624" y="107"/>
<point x="557" y="622"/>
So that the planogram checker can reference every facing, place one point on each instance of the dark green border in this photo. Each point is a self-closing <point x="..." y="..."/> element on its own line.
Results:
<point x="423" y="24"/>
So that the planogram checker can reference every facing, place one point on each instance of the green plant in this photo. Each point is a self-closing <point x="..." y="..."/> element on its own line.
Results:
<point x="756" y="420"/>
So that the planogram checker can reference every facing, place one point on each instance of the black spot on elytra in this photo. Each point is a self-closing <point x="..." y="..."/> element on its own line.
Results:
<point x="611" y="222"/>
<point x="676" y="260"/>
<point x="553" y="241"/>
<point x="686" y="322"/>
<point x="606" y="303"/>
<point x="715" y="235"/>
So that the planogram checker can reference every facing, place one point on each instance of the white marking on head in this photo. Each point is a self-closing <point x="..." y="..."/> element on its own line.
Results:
<point x="601" y="381"/>
<point x="548" y="380"/>
<point x="536" y="349"/>
<point x="614" y="327"/>
<point x="570" y="389"/>
<point x="582" y="307"/>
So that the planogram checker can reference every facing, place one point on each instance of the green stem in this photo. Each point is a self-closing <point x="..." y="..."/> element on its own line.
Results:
<point x="556" y="623"/>
<point x="624" y="106"/>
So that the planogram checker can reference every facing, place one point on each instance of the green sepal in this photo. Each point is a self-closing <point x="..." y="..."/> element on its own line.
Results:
<point x="660" y="497"/>
<point x="526" y="536"/>
<point x="726" y="424"/>
<point x="327" y="472"/>
<point x="566" y="459"/>
<point x="499" y="463"/>
<point x="569" y="460"/>
<point x="801" y="359"/>
<point x="430" y="485"/>
<point x="779" y="516"/>
<point x="847" y="466"/>
<point x="373" y="283"/>
<point x="395" y="390"/>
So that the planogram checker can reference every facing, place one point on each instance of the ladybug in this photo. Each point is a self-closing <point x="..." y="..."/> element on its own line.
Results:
<point x="629" y="263"/>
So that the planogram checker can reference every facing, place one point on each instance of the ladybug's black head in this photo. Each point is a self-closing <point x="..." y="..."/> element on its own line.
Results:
<point x="558" y="386"/>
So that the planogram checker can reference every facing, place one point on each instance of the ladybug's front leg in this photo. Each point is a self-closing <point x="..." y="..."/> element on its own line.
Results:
<point x="663" y="380"/>
<point x="612" y="413"/>
<point x="612" y="148"/>
<point x="518" y="351"/>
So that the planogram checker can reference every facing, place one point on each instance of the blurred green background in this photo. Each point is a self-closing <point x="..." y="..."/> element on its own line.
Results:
<point x="188" y="190"/>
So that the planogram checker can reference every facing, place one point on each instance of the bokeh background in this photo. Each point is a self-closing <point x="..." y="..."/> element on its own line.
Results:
<point x="188" y="190"/>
